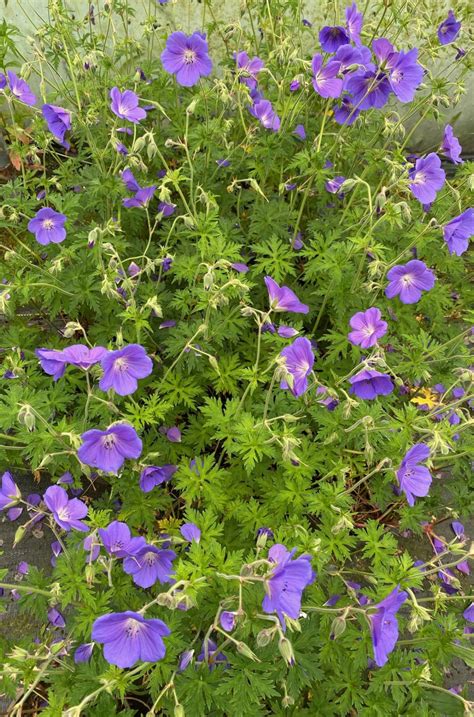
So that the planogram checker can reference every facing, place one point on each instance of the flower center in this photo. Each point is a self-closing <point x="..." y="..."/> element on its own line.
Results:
<point x="47" y="224"/>
<point x="150" y="558"/>
<point x="367" y="331"/>
<point x="132" y="627"/>
<point x="407" y="280"/>
<point x="121" y="364"/>
<point x="63" y="513"/>
<point x="189" y="57"/>
<point x="108" y="441"/>
<point x="419" y="178"/>
<point x="303" y="367"/>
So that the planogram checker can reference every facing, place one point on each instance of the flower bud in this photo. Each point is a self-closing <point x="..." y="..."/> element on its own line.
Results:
<point x="245" y="650"/>
<point x="27" y="417"/>
<point x="338" y="626"/>
<point x="286" y="651"/>
<point x="265" y="636"/>
<point x="19" y="535"/>
<point x="179" y="711"/>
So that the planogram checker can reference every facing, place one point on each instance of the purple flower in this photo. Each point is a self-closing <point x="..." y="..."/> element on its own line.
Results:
<point x="239" y="267"/>
<point x="449" y="29"/>
<point x="369" y="89"/>
<point x="121" y="148"/>
<point x="299" y="361"/>
<point x="458" y="530"/>
<point x="58" y="120"/>
<point x="295" y="85"/>
<point x="129" y="180"/>
<point x="458" y="231"/>
<point x="286" y="582"/>
<point x="333" y="185"/>
<point x="23" y="568"/>
<point x="10" y="494"/>
<point x="325" y="80"/>
<point x="214" y="657"/>
<point x="250" y="69"/>
<point x="48" y="226"/>
<point x="333" y="37"/>
<point x="384" y="625"/>
<point x="149" y="565"/>
<point x="283" y="299"/>
<point x="263" y="111"/>
<point x="368" y="384"/>
<point x="83" y="653"/>
<point x="354" y="21"/>
<point x="468" y="613"/>
<point x="129" y="637"/>
<point x="125" y="105"/>
<point x="368" y="328"/>
<point x="20" y="89"/>
<point x="414" y="480"/>
<point x="55" y="618"/>
<point x="427" y="177"/>
<point x="408" y="281"/>
<point x="286" y="332"/>
<point x="451" y="147"/>
<point x="346" y="113"/>
<point x="405" y="75"/>
<point x="186" y="57"/>
<point x="185" y="659"/>
<point x="67" y="513"/>
<point x="300" y="131"/>
<point x="227" y="620"/>
<point x="152" y="476"/>
<point x="118" y="542"/>
<point x="173" y="434"/>
<point x="190" y="532"/>
<point x="54" y="362"/>
<point x="107" y="450"/>
<point x="166" y="209"/>
<point x="123" y="368"/>
<point x="141" y="199"/>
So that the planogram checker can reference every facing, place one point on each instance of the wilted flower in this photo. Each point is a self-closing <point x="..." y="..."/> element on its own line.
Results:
<point x="190" y="532"/>
<point x="48" y="226"/>
<point x="186" y="57"/>
<point x="83" y="653"/>
<point x="129" y="637"/>
<point x="368" y="384"/>
<point x="414" y="480"/>
<point x="384" y="625"/>
<point x="408" y="281"/>
<point x="227" y="620"/>
<point x="123" y="368"/>
<point x="107" y="450"/>
<point x="55" y="618"/>
<point x="66" y="512"/>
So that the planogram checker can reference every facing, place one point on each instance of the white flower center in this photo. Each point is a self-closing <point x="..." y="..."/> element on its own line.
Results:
<point x="108" y="441"/>
<point x="47" y="224"/>
<point x="63" y="513"/>
<point x="132" y="627"/>
<point x="121" y="364"/>
<point x="419" y="178"/>
<point x="407" y="280"/>
<point x="189" y="57"/>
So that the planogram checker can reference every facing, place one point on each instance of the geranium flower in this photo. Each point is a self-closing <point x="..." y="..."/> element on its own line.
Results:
<point x="118" y="542"/>
<point x="249" y="67"/>
<point x="325" y="81"/>
<point x="125" y="105"/>
<point x="384" y="625"/>
<point x="368" y="89"/>
<point x="129" y="637"/>
<point x="66" y="512"/>
<point x="299" y="361"/>
<point x="190" y="532"/>
<point x="333" y="37"/>
<point x="149" y="565"/>
<point x="58" y="120"/>
<point x="186" y="57"/>
<point x="283" y="299"/>
<point x="368" y="328"/>
<point x="264" y="112"/>
<point x="458" y="231"/>
<point x="107" y="450"/>
<point x="48" y="226"/>
<point x="449" y="29"/>
<point x="415" y="480"/>
<point x="368" y="384"/>
<point x="152" y="476"/>
<point x="20" y="89"/>
<point x="123" y="368"/>
<point x="427" y="178"/>
<point x="408" y="281"/>
<point x="451" y="147"/>
<point x="286" y="583"/>
<point x="346" y="113"/>
<point x="354" y="22"/>
<point x="10" y="494"/>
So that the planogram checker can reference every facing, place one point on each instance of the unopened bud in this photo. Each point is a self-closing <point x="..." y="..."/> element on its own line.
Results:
<point x="71" y="328"/>
<point x="179" y="711"/>
<point x="27" y="417"/>
<point x="19" y="535"/>
<point x="286" y="651"/>
<point x="245" y="650"/>
<point x="338" y="626"/>
<point x="265" y="637"/>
